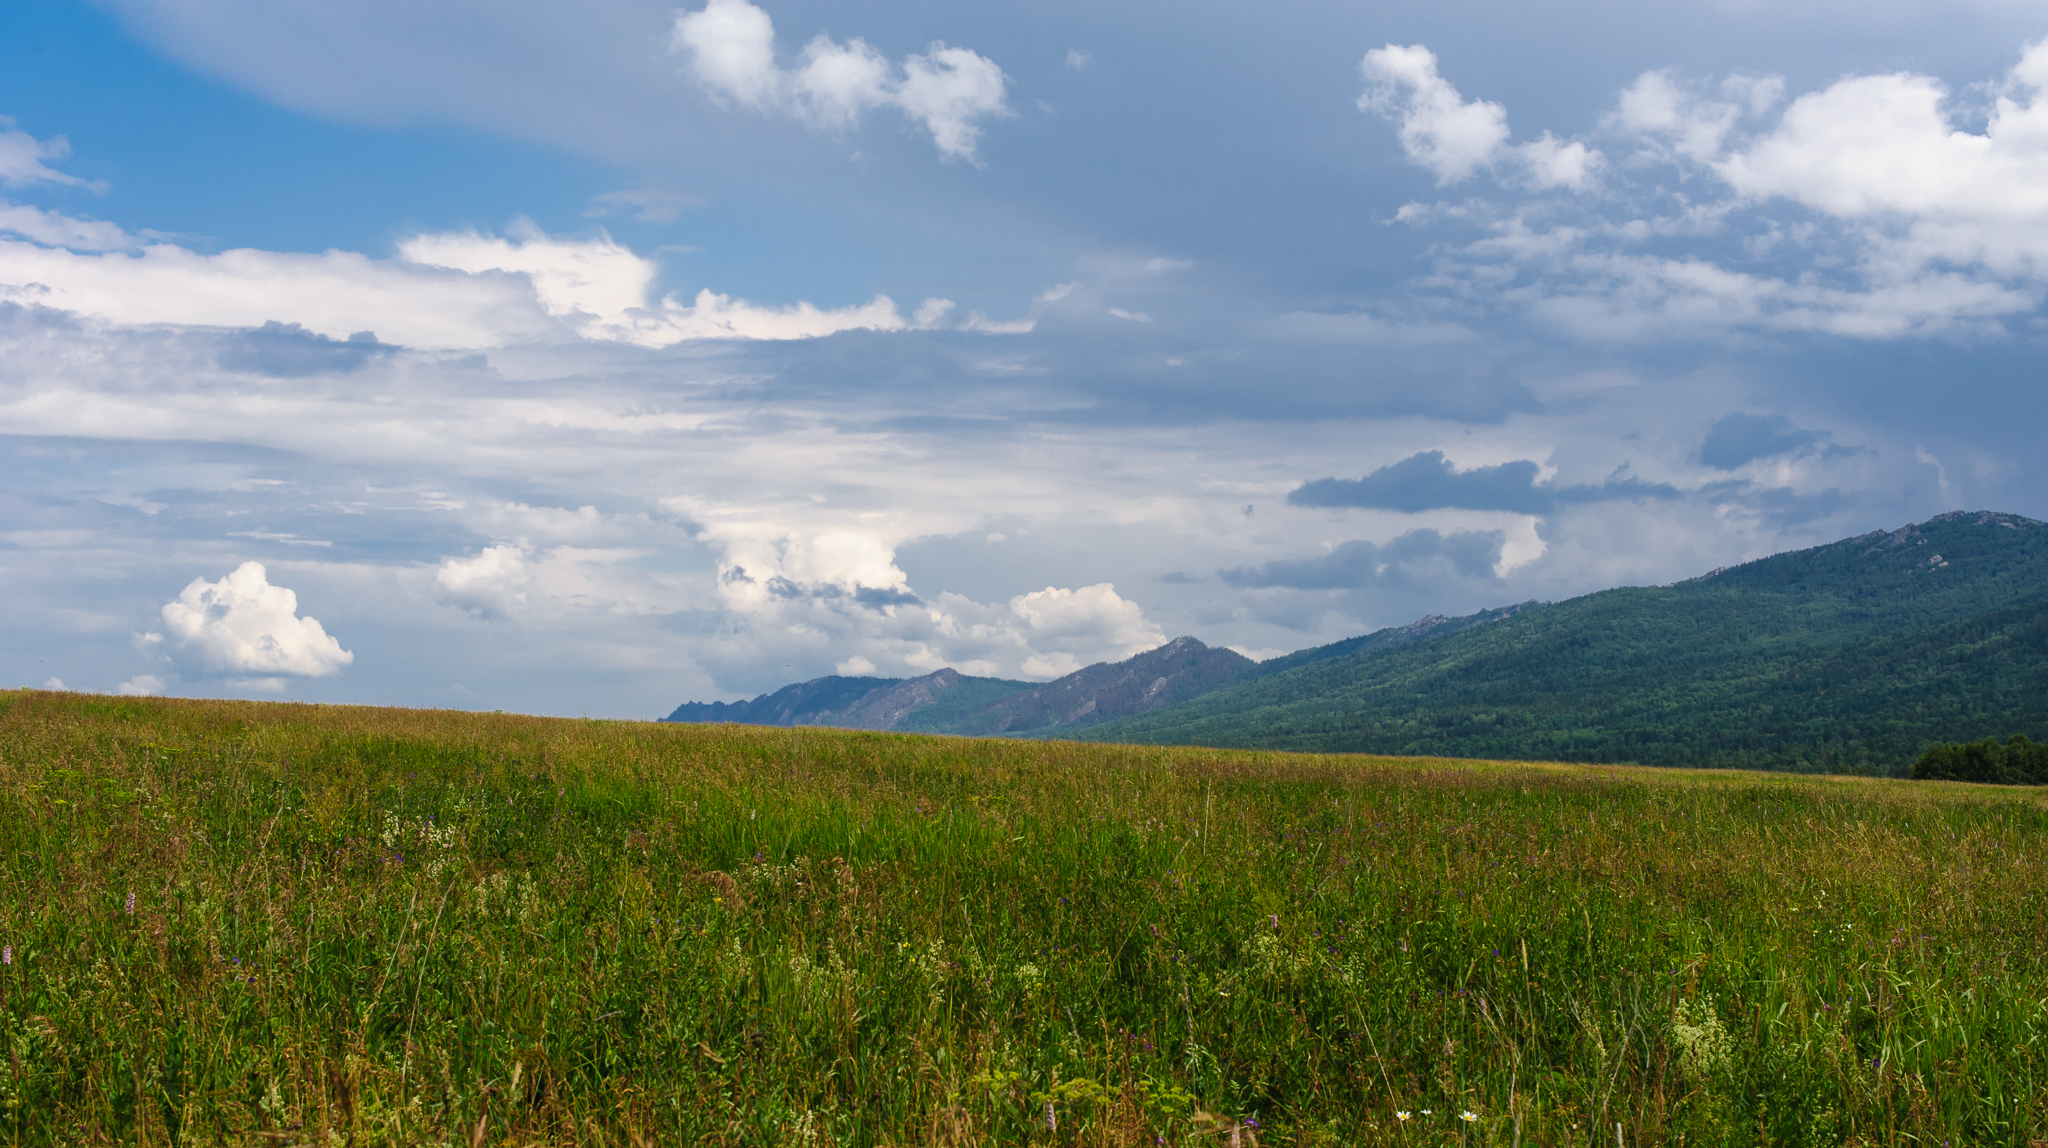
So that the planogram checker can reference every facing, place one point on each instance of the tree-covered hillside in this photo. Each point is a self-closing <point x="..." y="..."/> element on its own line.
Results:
<point x="1851" y="656"/>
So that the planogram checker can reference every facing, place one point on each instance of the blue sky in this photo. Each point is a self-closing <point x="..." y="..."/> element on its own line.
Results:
<point x="585" y="360"/>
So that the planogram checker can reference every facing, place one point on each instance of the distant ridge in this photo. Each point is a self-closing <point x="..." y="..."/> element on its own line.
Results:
<point x="1853" y="656"/>
<point x="791" y="705"/>
<point x="1181" y="669"/>
<point x="948" y="701"/>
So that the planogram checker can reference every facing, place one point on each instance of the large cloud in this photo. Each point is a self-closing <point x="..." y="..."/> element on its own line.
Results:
<point x="731" y="46"/>
<point x="243" y="626"/>
<point x="1887" y="150"/>
<point x="578" y="526"/>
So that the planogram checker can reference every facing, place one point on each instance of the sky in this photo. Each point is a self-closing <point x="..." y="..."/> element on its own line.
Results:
<point x="589" y="359"/>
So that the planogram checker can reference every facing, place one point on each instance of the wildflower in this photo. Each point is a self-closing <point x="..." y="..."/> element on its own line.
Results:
<point x="131" y="902"/>
<point x="1426" y="1112"/>
<point x="1052" y="1118"/>
<point x="1469" y="1116"/>
<point x="7" y="955"/>
<point x="1402" y="1114"/>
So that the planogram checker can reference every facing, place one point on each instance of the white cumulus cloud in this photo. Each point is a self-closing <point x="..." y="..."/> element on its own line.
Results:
<point x="1676" y="121"/>
<point x="1440" y="129"/>
<point x="1091" y="621"/>
<point x="244" y="626"/>
<point x="731" y="47"/>
<point x="1455" y="137"/>
<point x="1886" y="150"/>
<point x="1551" y="162"/>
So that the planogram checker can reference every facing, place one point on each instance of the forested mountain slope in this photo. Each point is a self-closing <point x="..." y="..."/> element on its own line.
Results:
<point x="1851" y="656"/>
<point x="858" y="703"/>
<point x="947" y="701"/>
<point x="1180" y="669"/>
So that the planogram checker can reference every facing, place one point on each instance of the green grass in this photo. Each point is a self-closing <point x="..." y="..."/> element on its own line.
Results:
<point x="380" y="926"/>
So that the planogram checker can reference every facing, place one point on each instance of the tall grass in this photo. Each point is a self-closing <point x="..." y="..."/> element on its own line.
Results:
<point x="226" y="921"/>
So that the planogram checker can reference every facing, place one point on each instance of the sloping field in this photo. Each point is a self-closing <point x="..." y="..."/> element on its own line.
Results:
<point x="233" y="922"/>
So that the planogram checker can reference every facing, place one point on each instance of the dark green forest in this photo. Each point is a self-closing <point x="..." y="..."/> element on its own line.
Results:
<point x="1852" y="657"/>
<point x="2018" y="762"/>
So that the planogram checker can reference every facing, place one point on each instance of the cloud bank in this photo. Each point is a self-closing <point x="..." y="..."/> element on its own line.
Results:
<point x="446" y="290"/>
<point x="550" y="467"/>
<point x="1914" y="224"/>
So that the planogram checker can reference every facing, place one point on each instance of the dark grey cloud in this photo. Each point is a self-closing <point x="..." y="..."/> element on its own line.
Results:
<point x="290" y="351"/>
<point x="1739" y="438"/>
<point x="1416" y="554"/>
<point x="873" y="597"/>
<point x="1427" y="481"/>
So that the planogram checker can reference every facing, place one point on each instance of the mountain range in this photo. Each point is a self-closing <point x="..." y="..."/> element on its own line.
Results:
<point x="948" y="701"/>
<point x="1849" y="657"/>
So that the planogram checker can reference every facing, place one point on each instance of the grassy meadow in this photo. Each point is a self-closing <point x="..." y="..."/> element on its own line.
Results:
<point x="230" y="922"/>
